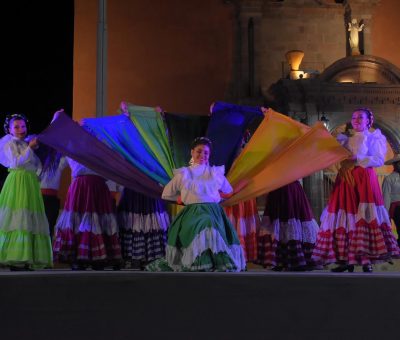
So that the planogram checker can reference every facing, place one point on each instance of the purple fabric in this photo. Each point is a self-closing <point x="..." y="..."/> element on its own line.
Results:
<point x="67" y="137"/>
<point x="226" y="128"/>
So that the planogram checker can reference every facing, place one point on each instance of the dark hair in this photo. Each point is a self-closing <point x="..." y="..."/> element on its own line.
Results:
<point x="10" y="118"/>
<point x="368" y="113"/>
<point x="201" y="141"/>
<point x="49" y="157"/>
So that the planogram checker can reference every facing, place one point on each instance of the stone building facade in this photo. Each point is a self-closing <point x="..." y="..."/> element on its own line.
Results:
<point x="334" y="82"/>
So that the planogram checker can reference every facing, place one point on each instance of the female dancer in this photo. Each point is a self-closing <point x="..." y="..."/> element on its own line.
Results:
<point x="24" y="230"/>
<point x="201" y="238"/>
<point x="355" y="226"/>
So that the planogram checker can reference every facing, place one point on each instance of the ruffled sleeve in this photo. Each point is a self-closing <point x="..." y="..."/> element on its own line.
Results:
<point x="219" y="174"/>
<point x="173" y="188"/>
<point x="16" y="157"/>
<point x="375" y="157"/>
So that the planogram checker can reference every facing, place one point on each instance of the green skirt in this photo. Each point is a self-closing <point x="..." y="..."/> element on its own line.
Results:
<point x="201" y="238"/>
<point x="24" y="230"/>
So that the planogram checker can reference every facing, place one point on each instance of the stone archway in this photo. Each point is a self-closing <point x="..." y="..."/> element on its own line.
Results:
<point x="362" y="69"/>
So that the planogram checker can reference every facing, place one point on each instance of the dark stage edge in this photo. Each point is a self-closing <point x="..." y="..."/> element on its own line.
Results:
<point x="60" y="304"/>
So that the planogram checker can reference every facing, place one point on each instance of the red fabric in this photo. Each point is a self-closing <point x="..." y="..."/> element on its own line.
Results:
<point x="369" y="242"/>
<point x="86" y="247"/>
<point x="49" y="192"/>
<point x="245" y="212"/>
<point x="88" y="193"/>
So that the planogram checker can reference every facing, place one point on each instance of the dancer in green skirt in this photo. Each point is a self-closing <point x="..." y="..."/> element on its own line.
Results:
<point x="24" y="231"/>
<point x="201" y="238"/>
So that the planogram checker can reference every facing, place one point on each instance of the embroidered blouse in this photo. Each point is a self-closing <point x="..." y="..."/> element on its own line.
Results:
<point x="16" y="154"/>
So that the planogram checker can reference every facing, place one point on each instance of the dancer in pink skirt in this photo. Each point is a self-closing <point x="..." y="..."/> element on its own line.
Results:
<point x="86" y="230"/>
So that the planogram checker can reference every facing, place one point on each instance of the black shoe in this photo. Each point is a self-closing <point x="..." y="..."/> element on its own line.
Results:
<point x="367" y="268"/>
<point x="277" y="268"/>
<point x="342" y="268"/>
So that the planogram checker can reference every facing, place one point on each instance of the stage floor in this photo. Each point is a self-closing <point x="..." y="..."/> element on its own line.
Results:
<point x="257" y="304"/>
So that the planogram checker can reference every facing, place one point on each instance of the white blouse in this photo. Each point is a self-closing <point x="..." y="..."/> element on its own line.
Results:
<point x="52" y="180"/>
<point x="197" y="184"/>
<point x="391" y="189"/>
<point x="369" y="147"/>
<point x="16" y="154"/>
<point x="77" y="169"/>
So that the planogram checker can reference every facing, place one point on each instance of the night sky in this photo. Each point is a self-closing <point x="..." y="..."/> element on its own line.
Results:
<point x="36" y="60"/>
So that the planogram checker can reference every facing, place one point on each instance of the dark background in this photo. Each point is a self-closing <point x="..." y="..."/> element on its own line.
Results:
<point x="36" y="60"/>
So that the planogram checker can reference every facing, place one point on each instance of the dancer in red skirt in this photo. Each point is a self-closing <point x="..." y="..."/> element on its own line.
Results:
<point x="86" y="230"/>
<point x="355" y="226"/>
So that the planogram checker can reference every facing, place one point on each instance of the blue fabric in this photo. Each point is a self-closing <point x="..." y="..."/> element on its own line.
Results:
<point x="72" y="140"/>
<point x="122" y="136"/>
<point x="226" y="128"/>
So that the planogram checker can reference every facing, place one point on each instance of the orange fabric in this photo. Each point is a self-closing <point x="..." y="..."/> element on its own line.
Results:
<point x="274" y="134"/>
<point x="306" y="154"/>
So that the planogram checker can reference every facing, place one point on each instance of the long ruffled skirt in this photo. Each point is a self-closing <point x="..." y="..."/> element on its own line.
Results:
<point x="244" y="218"/>
<point x="86" y="230"/>
<point x="24" y="230"/>
<point x="201" y="238"/>
<point x="355" y="226"/>
<point x="143" y="223"/>
<point x="288" y="229"/>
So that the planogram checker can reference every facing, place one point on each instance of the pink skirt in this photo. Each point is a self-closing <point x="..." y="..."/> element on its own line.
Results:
<point x="86" y="229"/>
<point x="355" y="226"/>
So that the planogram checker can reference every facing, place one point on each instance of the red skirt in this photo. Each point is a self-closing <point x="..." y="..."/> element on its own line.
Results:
<point x="355" y="226"/>
<point x="86" y="229"/>
<point x="245" y="220"/>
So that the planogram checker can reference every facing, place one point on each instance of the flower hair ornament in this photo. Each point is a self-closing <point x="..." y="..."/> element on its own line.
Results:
<point x="201" y="141"/>
<point x="12" y="117"/>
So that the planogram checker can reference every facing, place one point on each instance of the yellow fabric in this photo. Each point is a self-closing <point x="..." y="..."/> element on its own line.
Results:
<point x="305" y="151"/>
<point x="273" y="135"/>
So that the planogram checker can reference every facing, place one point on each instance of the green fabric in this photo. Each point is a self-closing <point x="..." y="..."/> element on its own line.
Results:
<point x="21" y="190"/>
<point x="207" y="261"/>
<point x="22" y="247"/>
<point x="150" y="125"/>
<point x="196" y="217"/>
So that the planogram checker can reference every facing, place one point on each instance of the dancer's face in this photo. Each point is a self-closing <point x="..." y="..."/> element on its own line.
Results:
<point x="18" y="128"/>
<point x="200" y="154"/>
<point x="359" y="121"/>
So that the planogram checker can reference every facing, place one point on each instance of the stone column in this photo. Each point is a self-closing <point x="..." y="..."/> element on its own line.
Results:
<point x="101" y="65"/>
<point x="250" y="14"/>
